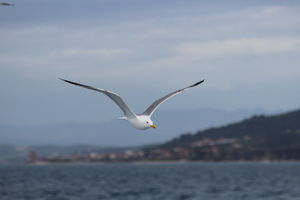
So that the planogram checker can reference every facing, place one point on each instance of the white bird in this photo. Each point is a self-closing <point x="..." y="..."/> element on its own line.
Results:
<point x="140" y="121"/>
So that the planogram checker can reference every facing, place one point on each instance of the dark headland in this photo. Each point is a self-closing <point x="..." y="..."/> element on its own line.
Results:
<point x="259" y="138"/>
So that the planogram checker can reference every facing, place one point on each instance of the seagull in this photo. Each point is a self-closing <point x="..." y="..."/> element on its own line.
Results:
<point x="139" y="121"/>
<point x="6" y="4"/>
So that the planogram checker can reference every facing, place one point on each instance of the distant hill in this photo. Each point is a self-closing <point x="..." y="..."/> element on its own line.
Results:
<point x="118" y="132"/>
<point x="260" y="137"/>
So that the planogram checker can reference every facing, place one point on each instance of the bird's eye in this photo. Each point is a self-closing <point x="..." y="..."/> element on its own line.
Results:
<point x="147" y="122"/>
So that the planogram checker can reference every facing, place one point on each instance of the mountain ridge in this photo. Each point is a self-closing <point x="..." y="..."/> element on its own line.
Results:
<point x="275" y="137"/>
<point x="275" y="123"/>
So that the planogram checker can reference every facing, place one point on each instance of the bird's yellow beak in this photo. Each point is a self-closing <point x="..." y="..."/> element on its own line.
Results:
<point x="153" y="126"/>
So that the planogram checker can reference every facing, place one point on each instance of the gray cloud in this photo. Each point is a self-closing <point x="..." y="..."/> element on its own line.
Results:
<point x="132" y="49"/>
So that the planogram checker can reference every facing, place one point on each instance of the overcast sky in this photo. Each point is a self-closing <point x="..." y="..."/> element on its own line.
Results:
<point x="248" y="52"/>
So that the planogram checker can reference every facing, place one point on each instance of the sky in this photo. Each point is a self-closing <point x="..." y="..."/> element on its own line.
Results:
<point x="247" y="51"/>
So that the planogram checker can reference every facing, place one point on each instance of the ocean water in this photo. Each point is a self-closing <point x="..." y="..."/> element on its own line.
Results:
<point x="195" y="181"/>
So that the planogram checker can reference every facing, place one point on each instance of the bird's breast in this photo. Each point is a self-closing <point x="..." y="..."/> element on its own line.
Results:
<point x="138" y="124"/>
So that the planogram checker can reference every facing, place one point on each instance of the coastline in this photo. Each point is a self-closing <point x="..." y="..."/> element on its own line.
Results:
<point x="145" y="162"/>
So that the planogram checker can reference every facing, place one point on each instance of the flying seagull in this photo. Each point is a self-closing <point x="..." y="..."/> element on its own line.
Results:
<point x="6" y="4"/>
<point x="139" y="121"/>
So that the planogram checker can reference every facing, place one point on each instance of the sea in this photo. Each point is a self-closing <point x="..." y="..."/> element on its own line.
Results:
<point x="147" y="181"/>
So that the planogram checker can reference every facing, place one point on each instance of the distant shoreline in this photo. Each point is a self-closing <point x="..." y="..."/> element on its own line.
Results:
<point x="161" y="162"/>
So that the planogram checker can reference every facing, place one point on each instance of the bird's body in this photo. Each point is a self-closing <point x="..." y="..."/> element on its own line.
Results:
<point x="142" y="121"/>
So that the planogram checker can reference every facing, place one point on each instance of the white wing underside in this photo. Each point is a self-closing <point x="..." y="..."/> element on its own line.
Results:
<point x="124" y="107"/>
<point x="113" y="96"/>
<point x="150" y="110"/>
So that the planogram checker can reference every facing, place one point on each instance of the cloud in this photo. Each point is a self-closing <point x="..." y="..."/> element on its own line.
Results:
<point x="260" y="12"/>
<point x="102" y="53"/>
<point x="239" y="46"/>
<point x="274" y="11"/>
<point x="189" y="52"/>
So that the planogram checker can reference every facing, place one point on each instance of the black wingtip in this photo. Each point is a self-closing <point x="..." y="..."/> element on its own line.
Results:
<point x="68" y="81"/>
<point x="63" y="80"/>
<point x="198" y="83"/>
<point x="74" y="83"/>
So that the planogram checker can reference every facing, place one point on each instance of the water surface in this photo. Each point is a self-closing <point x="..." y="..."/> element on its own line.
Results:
<point x="217" y="181"/>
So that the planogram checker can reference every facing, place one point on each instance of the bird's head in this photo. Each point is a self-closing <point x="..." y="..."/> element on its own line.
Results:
<point x="148" y="122"/>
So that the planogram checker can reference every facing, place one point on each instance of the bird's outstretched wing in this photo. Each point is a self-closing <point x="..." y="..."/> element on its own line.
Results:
<point x="115" y="97"/>
<point x="149" y="111"/>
